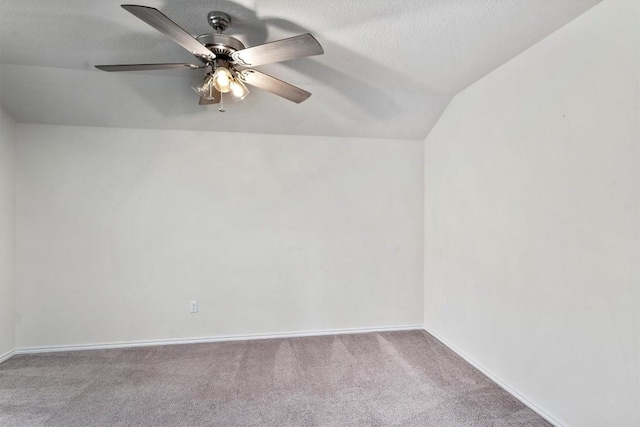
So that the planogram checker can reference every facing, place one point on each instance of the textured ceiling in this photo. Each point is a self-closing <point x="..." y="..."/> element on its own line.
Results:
<point x="389" y="68"/>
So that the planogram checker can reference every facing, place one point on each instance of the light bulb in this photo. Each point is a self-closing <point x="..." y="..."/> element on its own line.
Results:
<point x="222" y="79"/>
<point x="238" y="89"/>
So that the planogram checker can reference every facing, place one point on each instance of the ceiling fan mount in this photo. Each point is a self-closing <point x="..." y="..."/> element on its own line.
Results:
<point x="225" y="58"/>
<point x="220" y="21"/>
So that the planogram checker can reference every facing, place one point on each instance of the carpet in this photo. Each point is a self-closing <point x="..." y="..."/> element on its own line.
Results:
<point x="371" y="379"/>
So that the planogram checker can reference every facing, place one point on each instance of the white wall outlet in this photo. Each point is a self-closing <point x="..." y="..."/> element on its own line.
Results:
<point x="193" y="307"/>
<point x="445" y="308"/>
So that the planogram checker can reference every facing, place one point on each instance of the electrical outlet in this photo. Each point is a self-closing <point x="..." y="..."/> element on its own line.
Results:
<point x="445" y="309"/>
<point x="193" y="306"/>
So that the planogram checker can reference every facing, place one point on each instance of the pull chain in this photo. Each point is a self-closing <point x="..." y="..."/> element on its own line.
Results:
<point x="221" y="109"/>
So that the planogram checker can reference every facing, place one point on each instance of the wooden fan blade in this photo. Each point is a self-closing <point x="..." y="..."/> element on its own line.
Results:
<point x="166" y="26"/>
<point x="281" y="50"/>
<point x="140" y="67"/>
<point x="273" y="85"/>
<point x="216" y="99"/>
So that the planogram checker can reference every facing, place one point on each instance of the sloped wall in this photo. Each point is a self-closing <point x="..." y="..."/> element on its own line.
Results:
<point x="531" y="221"/>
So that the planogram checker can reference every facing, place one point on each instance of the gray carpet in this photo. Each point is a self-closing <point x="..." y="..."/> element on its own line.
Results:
<point x="375" y="379"/>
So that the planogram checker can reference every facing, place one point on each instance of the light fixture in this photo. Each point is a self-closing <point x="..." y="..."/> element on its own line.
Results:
<point x="222" y="79"/>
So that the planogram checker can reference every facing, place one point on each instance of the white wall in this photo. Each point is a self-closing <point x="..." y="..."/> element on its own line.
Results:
<point x="7" y="232"/>
<point x="531" y="230"/>
<point x="119" y="229"/>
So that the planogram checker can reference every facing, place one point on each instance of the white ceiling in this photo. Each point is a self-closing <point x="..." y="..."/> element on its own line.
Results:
<point x="389" y="69"/>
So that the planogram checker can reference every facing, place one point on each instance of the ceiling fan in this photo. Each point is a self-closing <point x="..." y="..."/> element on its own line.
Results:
<point x="226" y="60"/>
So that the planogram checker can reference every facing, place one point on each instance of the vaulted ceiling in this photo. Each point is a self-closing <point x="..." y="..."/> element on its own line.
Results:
<point x="389" y="69"/>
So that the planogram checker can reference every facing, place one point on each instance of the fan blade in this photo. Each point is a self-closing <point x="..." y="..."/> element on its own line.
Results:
<point x="166" y="26"/>
<point x="281" y="50"/>
<point x="215" y="100"/>
<point x="139" y="67"/>
<point x="273" y="85"/>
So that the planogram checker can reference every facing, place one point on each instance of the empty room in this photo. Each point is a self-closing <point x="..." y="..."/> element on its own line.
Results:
<point x="333" y="213"/>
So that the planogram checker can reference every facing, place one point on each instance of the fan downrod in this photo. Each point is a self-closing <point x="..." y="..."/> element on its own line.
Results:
<point x="220" y="21"/>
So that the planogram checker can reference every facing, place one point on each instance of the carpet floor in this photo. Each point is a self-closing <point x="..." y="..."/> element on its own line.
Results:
<point x="372" y="379"/>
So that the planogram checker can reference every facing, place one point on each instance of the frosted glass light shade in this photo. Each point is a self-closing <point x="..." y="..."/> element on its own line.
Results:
<point x="222" y="79"/>
<point x="205" y="88"/>
<point x="238" y="89"/>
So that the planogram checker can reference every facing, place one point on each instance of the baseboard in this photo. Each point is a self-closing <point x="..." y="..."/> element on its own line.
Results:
<point x="496" y="380"/>
<point x="132" y="344"/>
<point x="8" y="355"/>
<point x="129" y="344"/>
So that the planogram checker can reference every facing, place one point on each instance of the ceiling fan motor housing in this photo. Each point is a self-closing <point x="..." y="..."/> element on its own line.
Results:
<point x="222" y="45"/>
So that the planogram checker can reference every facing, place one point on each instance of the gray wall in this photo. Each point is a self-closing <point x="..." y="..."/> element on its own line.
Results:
<point x="119" y="229"/>
<point x="7" y="232"/>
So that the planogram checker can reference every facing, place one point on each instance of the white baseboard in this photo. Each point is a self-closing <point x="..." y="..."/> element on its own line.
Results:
<point x="102" y="346"/>
<point x="7" y="356"/>
<point x="496" y="380"/>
